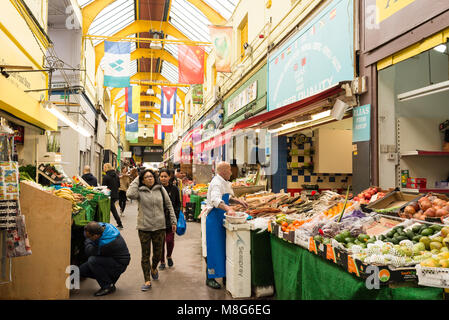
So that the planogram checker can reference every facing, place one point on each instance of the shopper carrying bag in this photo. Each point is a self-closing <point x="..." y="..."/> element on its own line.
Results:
<point x="151" y="197"/>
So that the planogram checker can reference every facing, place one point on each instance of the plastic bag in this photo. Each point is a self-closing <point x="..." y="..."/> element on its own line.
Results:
<point x="182" y="225"/>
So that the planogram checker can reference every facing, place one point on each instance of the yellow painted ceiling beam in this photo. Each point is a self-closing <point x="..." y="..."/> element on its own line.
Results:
<point x="152" y="53"/>
<point x="213" y="16"/>
<point x="154" y="76"/>
<point x="91" y="11"/>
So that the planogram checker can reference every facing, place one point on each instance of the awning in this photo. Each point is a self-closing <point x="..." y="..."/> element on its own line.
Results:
<point x="287" y="112"/>
<point x="222" y="137"/>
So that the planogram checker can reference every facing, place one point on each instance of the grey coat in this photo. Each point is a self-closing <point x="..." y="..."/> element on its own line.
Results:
<point x="150" y="215"/>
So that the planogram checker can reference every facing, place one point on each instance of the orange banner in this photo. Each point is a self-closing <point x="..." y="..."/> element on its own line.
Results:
<point x="221" y="38"/>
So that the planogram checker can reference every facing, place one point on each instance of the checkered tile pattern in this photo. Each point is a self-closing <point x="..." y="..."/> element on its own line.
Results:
<point x="298" y="156"/>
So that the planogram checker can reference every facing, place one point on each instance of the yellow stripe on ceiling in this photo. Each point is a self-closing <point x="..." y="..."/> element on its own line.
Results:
<point x="414" y="49"/>
<point x="213" y="16"/>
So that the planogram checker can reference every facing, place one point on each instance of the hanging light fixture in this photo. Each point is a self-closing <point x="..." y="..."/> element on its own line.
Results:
<point x="50" y="107"/>
<point x="150" y="91"/>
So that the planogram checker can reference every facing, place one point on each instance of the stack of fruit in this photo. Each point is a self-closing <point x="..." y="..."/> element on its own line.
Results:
<point x="337" y="209"/>
<point x="414" y="234"/>
<point x="439" y="247"/>
<point x="429" y="206"/>
<point x="69" y="195"/>
<point x="369" y="195"/>
<point x="288" y="225"/>
<point x="349" y="241"/>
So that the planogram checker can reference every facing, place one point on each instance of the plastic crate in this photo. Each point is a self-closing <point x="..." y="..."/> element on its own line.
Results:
<point x="79" y="219"/>
<point x="433" y="277"/>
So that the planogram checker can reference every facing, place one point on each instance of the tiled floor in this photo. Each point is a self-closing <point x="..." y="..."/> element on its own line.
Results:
<point x="184" y="281"/>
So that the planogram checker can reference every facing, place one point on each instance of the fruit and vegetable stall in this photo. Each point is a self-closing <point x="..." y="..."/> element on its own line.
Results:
<point x="376" y="245"/>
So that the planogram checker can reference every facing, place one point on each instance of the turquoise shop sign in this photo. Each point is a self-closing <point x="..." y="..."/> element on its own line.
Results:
<point x="361" y="123"/>
<point x="317" y="58"/>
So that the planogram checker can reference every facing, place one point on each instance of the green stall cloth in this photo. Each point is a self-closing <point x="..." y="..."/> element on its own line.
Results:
<point x="301" y="275"/>
<point x="261" y="271"/>
<point x="104" y="210"/>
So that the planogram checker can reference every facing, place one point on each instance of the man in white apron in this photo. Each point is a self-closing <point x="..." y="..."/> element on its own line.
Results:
<point x="219" y="195"/>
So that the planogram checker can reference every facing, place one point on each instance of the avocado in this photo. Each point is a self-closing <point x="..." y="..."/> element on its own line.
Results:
<point x="339" y="238"/>
<point x="400" y="238"/>
<point x="390" y="234"/>
<point x="436" y="227"/>
<point x="371" y="240"/>
<point x="410" y="234"/>
<point x="416" y="228"/>
<point x="318" y="238"/>
<point x="363" y="237"/>
<point x="349" y="240"/>
<point x="388" y="240"/>
<point x="396" y="234"/>
<point x="345" y="234"/>
<point x="427" y="232"/>
<point x="417" y="238"/>
<point x="395" y="240"/>
<point x="402" y="234"/>
<point x="357" y="241"/>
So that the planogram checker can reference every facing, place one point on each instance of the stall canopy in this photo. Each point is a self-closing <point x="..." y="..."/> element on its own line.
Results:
<point x="290" y="112"/>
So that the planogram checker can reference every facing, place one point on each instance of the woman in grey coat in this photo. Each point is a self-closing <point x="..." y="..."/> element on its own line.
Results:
<point x="151" y="198"/>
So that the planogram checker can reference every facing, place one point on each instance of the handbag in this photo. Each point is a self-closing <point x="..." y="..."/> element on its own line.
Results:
<point x="182" y="225"/>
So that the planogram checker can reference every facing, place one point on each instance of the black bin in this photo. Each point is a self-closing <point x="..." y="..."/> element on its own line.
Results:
<point x="190" y="211"/>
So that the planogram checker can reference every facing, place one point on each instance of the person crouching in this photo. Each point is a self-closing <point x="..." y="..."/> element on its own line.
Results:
<point x="108" y="256"/>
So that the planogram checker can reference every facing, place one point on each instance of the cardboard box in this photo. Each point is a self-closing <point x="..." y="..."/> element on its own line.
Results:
<point x="417" y="180"/>
<point x="395" y="199"/>
<point x="387" y="274"/>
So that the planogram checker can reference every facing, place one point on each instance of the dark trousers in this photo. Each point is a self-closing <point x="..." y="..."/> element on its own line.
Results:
<point x="115" y="213"/>
<point x="122" y="200"/>
<point x="148" y="238"/>
<point x="105" y="270"/>
<point x="170" y="242"/>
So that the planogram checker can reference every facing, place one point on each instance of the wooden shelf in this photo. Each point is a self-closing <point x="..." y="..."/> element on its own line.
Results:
<point x="426" y="190"/>
<point x="424" y="153"/>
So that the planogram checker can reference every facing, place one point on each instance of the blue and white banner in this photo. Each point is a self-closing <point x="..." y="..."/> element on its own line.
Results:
<point x="132" y="122"/>
<point x="117" y="59"/>
<point x="168" y="100"/>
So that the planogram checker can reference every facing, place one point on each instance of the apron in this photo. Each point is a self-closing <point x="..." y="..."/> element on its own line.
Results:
<point x="216" y="242"/>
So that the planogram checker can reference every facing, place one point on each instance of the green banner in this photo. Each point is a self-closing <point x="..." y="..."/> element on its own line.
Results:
<point x="197" y="94"/>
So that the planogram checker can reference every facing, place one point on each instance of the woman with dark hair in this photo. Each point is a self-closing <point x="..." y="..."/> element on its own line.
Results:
<point x="173" y="192"/>
<point x="152" y="199"/>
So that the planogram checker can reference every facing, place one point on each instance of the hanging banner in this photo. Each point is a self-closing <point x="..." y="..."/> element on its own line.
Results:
<point x="168" y="100"/>
<point x="117" y="58"/>
<point x="132" y="99"/>
<point x="132" y="137"/>
<point x="361" y="123"/>
<point x="221" y="38"/>
<point x="315" y="59"/>
<point x="197" y="94"/>
<point x="132" y="122"/>
<point x="166" y="123"/>
<point x="158" y="134"/>
<point x="191" y="64"/>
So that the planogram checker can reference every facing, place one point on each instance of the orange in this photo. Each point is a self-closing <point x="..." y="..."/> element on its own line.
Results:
<point x="284" y="224"/>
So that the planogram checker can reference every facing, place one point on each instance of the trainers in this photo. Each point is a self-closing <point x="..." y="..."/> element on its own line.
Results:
<point x="145" y="287"/>
<point x="155" y="275"/>
<point x="162" y="266"/>
<point x="105" y="291"/>
<point x="170" y="262"/>
<point x="213" y="284"/>
<point x="120" y="227"/>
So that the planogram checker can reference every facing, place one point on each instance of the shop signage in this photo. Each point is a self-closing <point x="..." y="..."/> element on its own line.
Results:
<point x="197" y="94"/>
<point x="319" y="56"/>
<point x="388" y="19"/>
<point x="127" y="154"/>
<point x="211" y="122"/>
<point x="361" y="123"/>
<point x="246" y="96"/>
<point x="154" y="149"/>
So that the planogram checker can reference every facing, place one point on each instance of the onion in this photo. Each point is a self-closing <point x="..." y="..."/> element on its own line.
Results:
<point x="409" y="210"/>
<point x="446" y="207"/>
<point x="425" y="205"/>
<point x="437" y="207"/>
<point x="441" y="213"/>
<point x="430" y="212"/>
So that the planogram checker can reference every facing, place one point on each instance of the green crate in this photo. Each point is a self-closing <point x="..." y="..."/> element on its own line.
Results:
<point x="80" y="219"/>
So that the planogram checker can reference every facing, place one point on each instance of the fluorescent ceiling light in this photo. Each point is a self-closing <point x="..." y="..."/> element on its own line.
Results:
<point x="150" y="91"/>
<point x="321" y="115"/>
<point x="147" y="115"/>
<point x="441" y="48"/>
<point x="422" y="92"/>
<point x="61" y="116"/>
<point x="288" y="126"/>
<point x="156" y="45"/>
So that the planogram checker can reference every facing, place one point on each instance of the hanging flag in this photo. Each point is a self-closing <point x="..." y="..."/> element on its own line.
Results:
<point x="221" y="38"/>
<point x="158" y="134"/>
<point x="168" y="100"/>
<point x="191" y="64"/>
<point x="197" y="94"/>
<point x="117" y="58"/>
<point x="166" y="123"/>
<point x="132" y="137"/>
<point x="132" y="99"/>
<point x="132" y="122"/>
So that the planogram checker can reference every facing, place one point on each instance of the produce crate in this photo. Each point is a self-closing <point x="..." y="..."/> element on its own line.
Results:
<point x="396" y="200"/>
<point x="317" y="248"/>
<point x="387" y="274"/>
<point x="239" y="191"/>
<point x="433" y="277"/>
<point x="80" y="218"/>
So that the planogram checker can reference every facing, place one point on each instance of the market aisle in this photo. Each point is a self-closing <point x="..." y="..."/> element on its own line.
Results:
<point x="185" y="281"/>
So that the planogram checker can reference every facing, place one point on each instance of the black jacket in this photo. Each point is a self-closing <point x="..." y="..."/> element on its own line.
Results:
<point x="90" y="179"/>
<point x="110" y="244"/>
<point x="173" y="192"/>
<point x="112" y="181"/>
